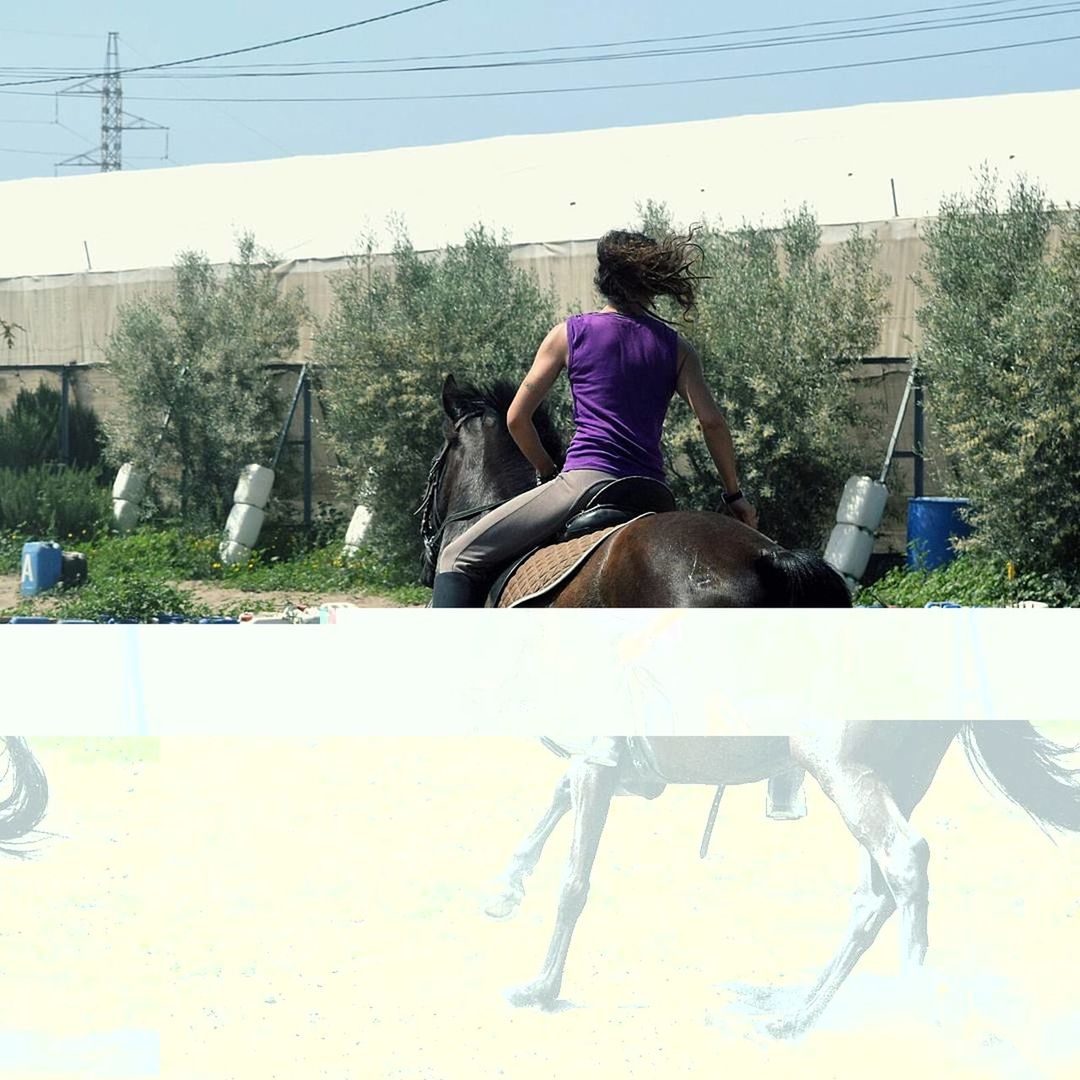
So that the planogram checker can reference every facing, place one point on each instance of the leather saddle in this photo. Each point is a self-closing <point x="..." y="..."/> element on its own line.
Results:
<point x="612" y="502"/>
<point x="603" y="508"/>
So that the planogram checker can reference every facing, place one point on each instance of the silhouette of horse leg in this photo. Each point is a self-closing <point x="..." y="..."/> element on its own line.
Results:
<point x="591" y="790"/>
<point x="527" y="855"/>
<point x="785" y="799"/>
<point x="895" y="875"/>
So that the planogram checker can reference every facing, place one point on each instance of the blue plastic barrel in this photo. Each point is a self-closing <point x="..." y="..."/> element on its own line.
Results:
<point x="932" y="524"/>
<point x="42" y="561"/>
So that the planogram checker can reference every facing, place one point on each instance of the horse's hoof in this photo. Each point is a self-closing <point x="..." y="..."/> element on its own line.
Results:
<point x="786" y="1027"/>
<point x="502" y="907"/>
<point x="535" y="995"/>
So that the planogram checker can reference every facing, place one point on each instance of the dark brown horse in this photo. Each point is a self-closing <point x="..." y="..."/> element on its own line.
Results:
<point x="874" y="772"/>
<point x="27" y="795"/>
<point x="665" y="560"/>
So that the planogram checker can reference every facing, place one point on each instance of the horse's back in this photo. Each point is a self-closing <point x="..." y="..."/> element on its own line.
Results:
<point x="698" y="559"/>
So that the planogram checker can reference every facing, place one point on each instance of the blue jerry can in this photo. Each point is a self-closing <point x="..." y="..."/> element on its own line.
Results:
<point x="41" y="564"/>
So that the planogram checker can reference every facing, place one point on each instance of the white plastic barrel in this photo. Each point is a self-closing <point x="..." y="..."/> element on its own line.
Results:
<point x="229" y="551"/>
<point x="849" y="550"/>
<point x="244" y="523"/>
<point x="354" y="535"/>
<point x="130" y="483"/>
<point x="253" y="487"/>
<point x="125" y="514"/>
<point x="863" y="503"/>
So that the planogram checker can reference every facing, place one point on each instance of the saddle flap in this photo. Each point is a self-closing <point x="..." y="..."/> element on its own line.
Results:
<point x="536" y="573"/>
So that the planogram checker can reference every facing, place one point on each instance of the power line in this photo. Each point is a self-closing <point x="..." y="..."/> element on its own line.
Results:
<point x="53" y="153"/>
<point x="575" y="47"/>
<point x="652" y="40"/>
<point x="249" y="48"/>
<point x="1024" y="13"/>
<point x="631" y="85"/>
<point x="224" y="112"/>
<point x="45" y="33"/>
<point x="699" y="50"/>
<point x="18" y="150"/>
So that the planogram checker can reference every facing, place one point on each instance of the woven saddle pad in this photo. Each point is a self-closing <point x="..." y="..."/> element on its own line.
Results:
<point x="540" y="572"/>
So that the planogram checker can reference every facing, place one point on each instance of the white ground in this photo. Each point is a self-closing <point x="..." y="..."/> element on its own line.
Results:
<point x="311" y="908"/>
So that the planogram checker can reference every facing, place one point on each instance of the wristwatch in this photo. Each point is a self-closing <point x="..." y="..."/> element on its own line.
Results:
<point x="730" y="497"/>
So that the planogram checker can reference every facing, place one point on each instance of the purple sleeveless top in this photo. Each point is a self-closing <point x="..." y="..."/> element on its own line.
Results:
<point x="622" y="372"/>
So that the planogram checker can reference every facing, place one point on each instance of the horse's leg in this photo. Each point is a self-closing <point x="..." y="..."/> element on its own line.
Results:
<point x="872" y="905"/>
<point x="785" y="799"/>
<point x="896" y="876"/>
<point x="527" y="855"/>
<point x="591" y="789"/>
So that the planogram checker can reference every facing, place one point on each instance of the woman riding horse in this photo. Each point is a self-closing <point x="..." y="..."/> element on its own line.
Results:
<point x="624" y="365"/>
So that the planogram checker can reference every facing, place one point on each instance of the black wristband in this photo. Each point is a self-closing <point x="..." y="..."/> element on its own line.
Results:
<point x="733" y="496"/>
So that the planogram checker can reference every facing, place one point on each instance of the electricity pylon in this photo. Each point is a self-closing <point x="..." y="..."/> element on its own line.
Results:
<point x="114" y="121"/>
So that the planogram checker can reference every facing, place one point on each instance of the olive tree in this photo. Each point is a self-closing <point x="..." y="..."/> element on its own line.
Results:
<point x="1000" y="319"/>
<point x="197" y="400"/>
<point x="780" y="328"/>
<point x="392" y="335"/>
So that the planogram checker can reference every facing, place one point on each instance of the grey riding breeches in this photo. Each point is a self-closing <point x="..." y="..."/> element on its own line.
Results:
<point x="512" y="529"/>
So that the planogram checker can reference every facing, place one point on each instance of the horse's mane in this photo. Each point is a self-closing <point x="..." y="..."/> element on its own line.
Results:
<point x="498" y="395"/>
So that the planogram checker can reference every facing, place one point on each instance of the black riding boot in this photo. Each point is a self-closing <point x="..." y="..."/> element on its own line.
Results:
<point x="455" y="589"/>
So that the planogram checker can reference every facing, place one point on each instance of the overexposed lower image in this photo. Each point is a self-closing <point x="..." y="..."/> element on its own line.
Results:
<point x="342" y="907"/>
<point x="82" y="928"/>
<point x="457" y="907"/>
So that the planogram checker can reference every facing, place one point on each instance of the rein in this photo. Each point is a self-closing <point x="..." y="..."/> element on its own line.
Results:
<point x="432" y="523"/>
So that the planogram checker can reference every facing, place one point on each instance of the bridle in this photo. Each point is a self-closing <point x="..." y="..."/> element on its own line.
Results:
<point x="432" y="522"/>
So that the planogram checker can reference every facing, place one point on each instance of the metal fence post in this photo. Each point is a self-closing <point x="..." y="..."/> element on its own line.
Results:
<point x="917" y="438"/>
<point x="65" y="415"/>
<point x="306" y="376"/>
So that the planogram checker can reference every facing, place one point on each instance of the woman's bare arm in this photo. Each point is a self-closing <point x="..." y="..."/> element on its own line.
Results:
<point x="550" y="360"/>
<point x="692" y="387"/>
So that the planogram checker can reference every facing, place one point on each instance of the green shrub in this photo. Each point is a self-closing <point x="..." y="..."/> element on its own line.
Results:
<point x="198" y="401"/>
<point x="971" y="580"/>
<point x="284" y="536"/>
<point x="130" y="597"/>
<point x="164" y="554"/>
<point x="30" y="432"/>
<point x="53" y="502"/>
<point x="383" y="353"/>
<point x="1000" y="316"/>
<point x="11" y="542"/>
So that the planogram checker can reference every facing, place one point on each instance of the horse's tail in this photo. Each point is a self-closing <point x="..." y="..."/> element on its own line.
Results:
<point x="24" y="807"/>
<point x="1028" y="768"/>
<point x="800" y="579"/>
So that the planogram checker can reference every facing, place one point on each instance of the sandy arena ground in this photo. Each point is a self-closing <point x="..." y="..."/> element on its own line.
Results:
<point x="80" y="941"/>
<point x="311" y="908"/>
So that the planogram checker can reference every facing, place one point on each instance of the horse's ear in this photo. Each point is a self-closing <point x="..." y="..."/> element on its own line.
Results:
<point x="451" y="398"/>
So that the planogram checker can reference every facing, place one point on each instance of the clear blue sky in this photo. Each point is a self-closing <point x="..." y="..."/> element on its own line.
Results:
<point x="39" y="128"/>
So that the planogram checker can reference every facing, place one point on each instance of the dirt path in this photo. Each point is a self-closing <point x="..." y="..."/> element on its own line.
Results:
<point x="218" y="597"/>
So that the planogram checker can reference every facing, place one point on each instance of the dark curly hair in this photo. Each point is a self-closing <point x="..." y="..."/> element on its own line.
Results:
<point x="634" y="269"/>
